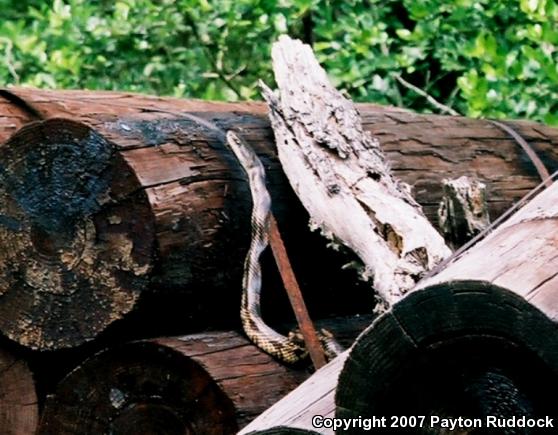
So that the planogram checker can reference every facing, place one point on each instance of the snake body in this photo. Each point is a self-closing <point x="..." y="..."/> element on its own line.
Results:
<point x="289" y="349"/>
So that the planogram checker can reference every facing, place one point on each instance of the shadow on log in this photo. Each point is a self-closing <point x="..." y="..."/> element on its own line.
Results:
<point x="137" y="195"/>
<point x="19" y="410"/>
<point x="477" y="338"/>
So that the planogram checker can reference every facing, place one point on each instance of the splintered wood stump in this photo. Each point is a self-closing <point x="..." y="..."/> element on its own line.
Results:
<point x="209" y="383"/>
<point x="478" y="338"/>
<point x="463" y="211"/>
<point x="19" y="411"/>
<point x="124" y="193"/>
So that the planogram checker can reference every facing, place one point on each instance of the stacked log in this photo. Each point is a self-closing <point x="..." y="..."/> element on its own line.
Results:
<point x="479" y="338"/>
<point x="139" y="196"/>
<point x="208" y="383"/>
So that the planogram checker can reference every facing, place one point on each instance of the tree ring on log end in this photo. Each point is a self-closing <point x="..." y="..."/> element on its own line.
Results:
<point x="142" y="387"/>
<point x="77" y="231"/>
<point x="459" y="349"/>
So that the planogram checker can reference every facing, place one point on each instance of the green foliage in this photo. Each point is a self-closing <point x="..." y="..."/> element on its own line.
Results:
<point x="493" y="58"/>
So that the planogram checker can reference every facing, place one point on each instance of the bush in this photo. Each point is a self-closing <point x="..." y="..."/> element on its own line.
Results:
<point x="493" y="58"/>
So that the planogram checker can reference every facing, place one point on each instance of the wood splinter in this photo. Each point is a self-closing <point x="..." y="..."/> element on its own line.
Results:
<point x="463" y="211"/>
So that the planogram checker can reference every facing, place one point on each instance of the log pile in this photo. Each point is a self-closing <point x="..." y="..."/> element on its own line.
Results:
<point x="177" y="214"/>
<point x="124" y="221"/>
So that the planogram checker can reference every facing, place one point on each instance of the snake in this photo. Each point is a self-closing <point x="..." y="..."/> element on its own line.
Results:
<point x="287" y="348"/>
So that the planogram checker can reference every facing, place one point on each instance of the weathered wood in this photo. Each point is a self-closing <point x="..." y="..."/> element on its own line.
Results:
<point x="79" y="235"/>
<point x="422" y="150"/>
<point x="209" y="383"/>
<point x="19" y="410"/>
<point x="195" y="224"/>
<point x="341" y="176"/>
<point x="478" y="338"/>
<point x="463" y="212"/>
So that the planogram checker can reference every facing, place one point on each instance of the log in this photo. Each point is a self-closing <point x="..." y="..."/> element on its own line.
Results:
<point x="155" y="167"/>
<point x="210" y="383"/>
<point x="19" y="410"/>
<point x="295" y="413"/>
<point x="478" y="338"/>
<point x="421" y="149"/>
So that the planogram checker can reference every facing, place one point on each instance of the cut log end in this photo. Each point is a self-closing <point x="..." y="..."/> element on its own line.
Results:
<point x="466" y="349"/>
<point x="79" y="231"/>
<point x="19" y="413"/>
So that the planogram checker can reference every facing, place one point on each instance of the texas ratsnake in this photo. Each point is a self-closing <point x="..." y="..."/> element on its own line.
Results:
<point x="289" y="349"/>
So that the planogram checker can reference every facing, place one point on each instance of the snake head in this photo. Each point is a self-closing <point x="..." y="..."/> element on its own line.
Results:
<point x="329" y="345"/>
<point x="297" y="345"/>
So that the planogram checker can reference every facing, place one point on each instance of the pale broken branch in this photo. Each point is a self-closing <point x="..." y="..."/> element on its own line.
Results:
<point x="341" y="176"/>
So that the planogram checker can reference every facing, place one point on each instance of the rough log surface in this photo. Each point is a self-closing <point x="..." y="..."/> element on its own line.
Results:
<point x="478" y="338"/>
<point x="209" y="383"/>
<point x="198" y="207"/>
<point x="422" y="150"/>
<point x="19" y="410"/>
<point x="341" y="176"/>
